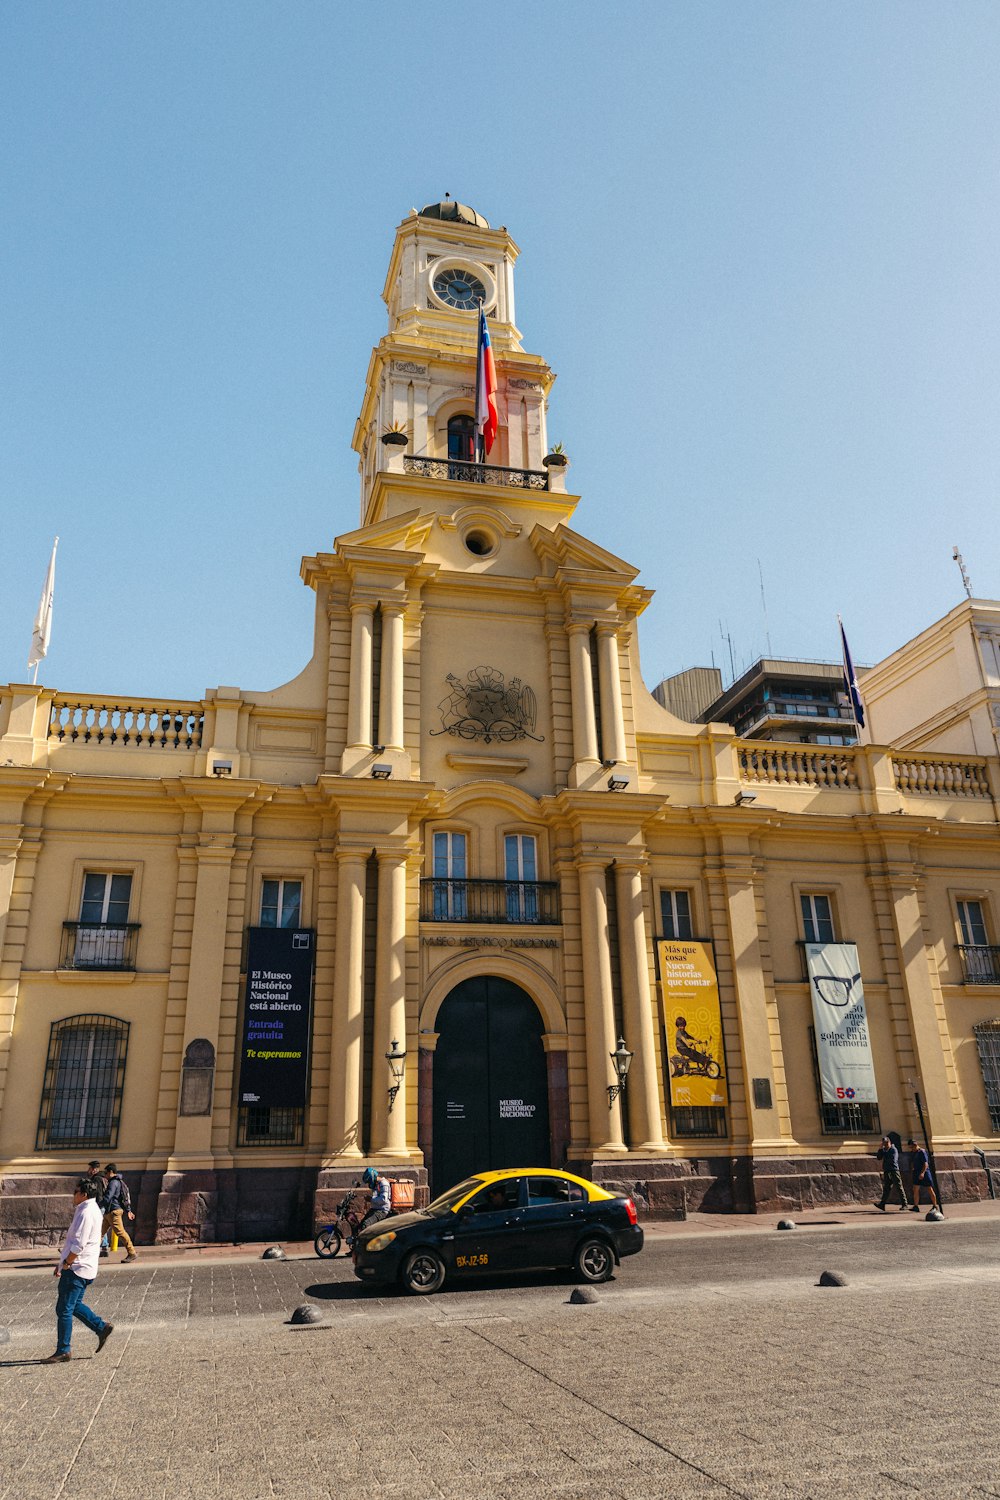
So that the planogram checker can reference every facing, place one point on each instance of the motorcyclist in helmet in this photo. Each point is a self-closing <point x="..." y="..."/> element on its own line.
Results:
<point x="381" y="1204"/>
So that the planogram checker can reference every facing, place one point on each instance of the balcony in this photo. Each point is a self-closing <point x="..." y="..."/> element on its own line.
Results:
<point x="453" y="468"/>
<point x="99" y="945"/>
<point x="980" y="963"/>
<point x="532" y="902"/>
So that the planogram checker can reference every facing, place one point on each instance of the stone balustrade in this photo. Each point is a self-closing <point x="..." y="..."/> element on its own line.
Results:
<point x="101" y="721"/>
<point x="764" y="762"/>
<point x="941" y="776"/>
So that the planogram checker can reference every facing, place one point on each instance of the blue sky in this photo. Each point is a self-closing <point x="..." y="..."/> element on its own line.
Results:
<point x="759" y="247"/>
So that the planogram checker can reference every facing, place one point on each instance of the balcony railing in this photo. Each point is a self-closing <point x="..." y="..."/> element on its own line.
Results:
<point x="101" y="721"/>
<point x="980" y="963"/>
<point x="534" y="902"/>
<point x="941" y="777"/>
<point x="453" y="468"/>
<point x="99" y="945"/>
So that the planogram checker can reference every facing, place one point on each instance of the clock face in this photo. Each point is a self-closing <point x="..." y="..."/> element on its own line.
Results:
<point x="460" y="289"/>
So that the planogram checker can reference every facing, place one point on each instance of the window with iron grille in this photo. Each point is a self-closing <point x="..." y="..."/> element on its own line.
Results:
<point x="842" y="1119"/>
<point x="84" y="1078"/>
<point x="987" y="1034"/>
<point x="698" y="1119"/>
<point x="675" y="913"/>
<point x="262" y="1125"/>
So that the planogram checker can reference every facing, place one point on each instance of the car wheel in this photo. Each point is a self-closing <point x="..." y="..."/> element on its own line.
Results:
<point x="594" y="1261"/>
<point x="327" y="1243"/>
<point x="423" y="1272"/>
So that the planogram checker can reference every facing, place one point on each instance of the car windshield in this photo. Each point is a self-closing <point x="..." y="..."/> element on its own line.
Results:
<point x="447" y="1201"/>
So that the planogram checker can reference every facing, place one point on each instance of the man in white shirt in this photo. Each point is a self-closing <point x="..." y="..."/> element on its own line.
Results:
<point x="78" y="1261"/>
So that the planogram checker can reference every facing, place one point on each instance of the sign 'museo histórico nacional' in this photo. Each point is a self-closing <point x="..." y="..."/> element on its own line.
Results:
<point x="843" y="1048"/>
<point x="693" y="1018"/>
<point x="274" y="1056"/>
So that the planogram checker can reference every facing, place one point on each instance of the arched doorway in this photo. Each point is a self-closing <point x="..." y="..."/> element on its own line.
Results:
<point x="491" y="1106"/>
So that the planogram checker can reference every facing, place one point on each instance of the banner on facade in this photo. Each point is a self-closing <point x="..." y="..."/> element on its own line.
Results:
<point x="274" y="1054"/>
<point x="843" y="1047"/>
<point x="693" y="1018"/>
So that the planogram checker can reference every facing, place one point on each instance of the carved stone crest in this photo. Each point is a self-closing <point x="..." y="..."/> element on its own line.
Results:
<point x="407" y="367"/>
<point x="485" y="707"/>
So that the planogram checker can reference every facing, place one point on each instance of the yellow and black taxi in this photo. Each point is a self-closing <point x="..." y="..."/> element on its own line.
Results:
<point x="498" y="1222"/>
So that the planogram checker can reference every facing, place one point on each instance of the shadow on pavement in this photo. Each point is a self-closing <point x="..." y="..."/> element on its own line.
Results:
<point x="356" y="1291"/>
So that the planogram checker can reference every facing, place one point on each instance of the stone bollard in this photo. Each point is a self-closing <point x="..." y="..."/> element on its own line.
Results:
<point x="583" y="1294"/>
<point x="307" y="1313"/>
<point x="832" y="1278"/>
<point x="274" y="1252"/>
<point x="786" y="1223"/>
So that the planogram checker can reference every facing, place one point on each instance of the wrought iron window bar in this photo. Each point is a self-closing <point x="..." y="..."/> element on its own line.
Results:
<point x="99" y="945"/>
<point x="980" y="962"/>
<point x="470" y="473"/>
<point x="84" y="1080"/>
<point x="531" y="902"/>
<point x="263" y="1125"/>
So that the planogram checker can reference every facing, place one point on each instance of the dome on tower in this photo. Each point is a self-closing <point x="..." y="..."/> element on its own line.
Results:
<point x="455" y="213"/>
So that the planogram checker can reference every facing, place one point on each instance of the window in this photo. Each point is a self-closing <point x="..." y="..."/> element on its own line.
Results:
<point x="987" y="1035"/>
<point x="547" y="1190"/>
<point x="689" y="1120"/>
<point x="675" y="914"/>
<point x="980" y="960"/>
<point x="103" y="938"/>
<point x="972" y="923"/>
<point x="281" y="903"/>
<point x="449" y="861"/>
<point x="817" y="918"/>
<point x="84" y="1076"/>
<point x="462" y="438"/>
<point x="260" y="1125"/>
<point x="521" y="875"/>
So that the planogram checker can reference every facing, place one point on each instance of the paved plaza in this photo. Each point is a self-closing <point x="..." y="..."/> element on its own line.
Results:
<point x="713" y="1365"/>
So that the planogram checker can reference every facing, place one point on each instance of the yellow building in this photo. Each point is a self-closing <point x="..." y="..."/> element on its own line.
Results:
<point x="401" y="909"/>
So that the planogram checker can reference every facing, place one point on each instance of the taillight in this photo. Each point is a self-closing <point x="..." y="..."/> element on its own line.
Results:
<point x="633" y="1217"/>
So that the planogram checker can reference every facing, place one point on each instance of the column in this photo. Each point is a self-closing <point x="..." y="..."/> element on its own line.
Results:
<point x="582" y="693"/>
<point x="609" y="676"/>
<point x="389" y="1128"/>
<point x="599" y="1010"/>
<point x="359" y="701"/>
<point x="390" y="715"/>
<point x="203" y="1000"/>
<point x="344" y="1119"/>
<point x="642" y="1091"/>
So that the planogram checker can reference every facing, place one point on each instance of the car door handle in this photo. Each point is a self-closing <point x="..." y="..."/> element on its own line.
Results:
<point x="447" y="1236"/>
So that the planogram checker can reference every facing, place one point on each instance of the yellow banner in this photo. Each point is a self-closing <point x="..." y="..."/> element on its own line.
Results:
<point x="693" y="1019"/>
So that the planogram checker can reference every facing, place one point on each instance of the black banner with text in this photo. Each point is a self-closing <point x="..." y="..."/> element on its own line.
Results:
<point x="274" y="1054"/>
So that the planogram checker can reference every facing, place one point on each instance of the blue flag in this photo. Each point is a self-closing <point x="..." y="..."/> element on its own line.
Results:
<point x="851" y="679"/>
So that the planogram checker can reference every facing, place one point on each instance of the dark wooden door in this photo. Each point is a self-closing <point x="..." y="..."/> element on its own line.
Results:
<point x="491" y="1107"/>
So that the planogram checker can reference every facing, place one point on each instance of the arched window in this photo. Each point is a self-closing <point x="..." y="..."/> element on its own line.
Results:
<point x="84" y="1077"/>
<point x="462" y="438"/>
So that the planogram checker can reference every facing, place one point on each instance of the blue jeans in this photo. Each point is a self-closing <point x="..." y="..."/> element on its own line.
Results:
<point x="70" y="1305"/>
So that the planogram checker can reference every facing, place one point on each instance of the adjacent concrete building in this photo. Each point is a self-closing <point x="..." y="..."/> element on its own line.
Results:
<point x="402" y="909"/>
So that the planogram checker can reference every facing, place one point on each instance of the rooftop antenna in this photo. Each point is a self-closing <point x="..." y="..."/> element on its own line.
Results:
<point x="961" y="568"/>
<point x="763" y="605"/>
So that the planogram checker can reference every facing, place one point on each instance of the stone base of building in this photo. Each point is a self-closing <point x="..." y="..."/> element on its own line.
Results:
<point x="673" y="1188"/>
<point x="243" y="1204"/>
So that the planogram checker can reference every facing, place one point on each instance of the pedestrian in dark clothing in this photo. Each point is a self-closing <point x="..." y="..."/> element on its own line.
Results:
<point x="100" y="1183"/>
<point x="920" y="1169"/>
<point x="116" y="1203"/>
<point x="891" y="1175"/>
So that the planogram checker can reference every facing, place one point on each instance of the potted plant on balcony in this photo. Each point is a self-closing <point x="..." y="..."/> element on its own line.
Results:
<point x="395" y="436"/>
<point x="555" y="458"/>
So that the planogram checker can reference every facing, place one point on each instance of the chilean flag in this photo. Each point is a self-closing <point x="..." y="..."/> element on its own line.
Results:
<point x="486" y="389"/>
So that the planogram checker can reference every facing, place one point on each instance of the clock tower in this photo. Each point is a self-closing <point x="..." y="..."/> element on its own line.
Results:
<point x="420" y="388"/>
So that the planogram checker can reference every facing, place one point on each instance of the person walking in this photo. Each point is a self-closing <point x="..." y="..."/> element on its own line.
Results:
<point x="891" y="1175"/>
<point x="78" y="1262"/>
<point x="94" y="1174"/>
<point x="920" y="1169"/>
<point x="117" y="1203"/>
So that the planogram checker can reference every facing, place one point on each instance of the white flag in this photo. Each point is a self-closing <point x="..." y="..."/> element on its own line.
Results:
<point x="43" y="620"/>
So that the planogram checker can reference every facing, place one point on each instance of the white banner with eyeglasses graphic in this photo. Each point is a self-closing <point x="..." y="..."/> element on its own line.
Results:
<point x="843" y="1047"/>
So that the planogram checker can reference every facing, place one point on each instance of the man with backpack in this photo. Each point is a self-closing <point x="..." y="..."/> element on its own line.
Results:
<point x="116" y="1203"/>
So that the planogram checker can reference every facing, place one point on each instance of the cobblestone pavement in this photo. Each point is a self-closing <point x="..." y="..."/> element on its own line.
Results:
<point x="705" y="1369"/>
